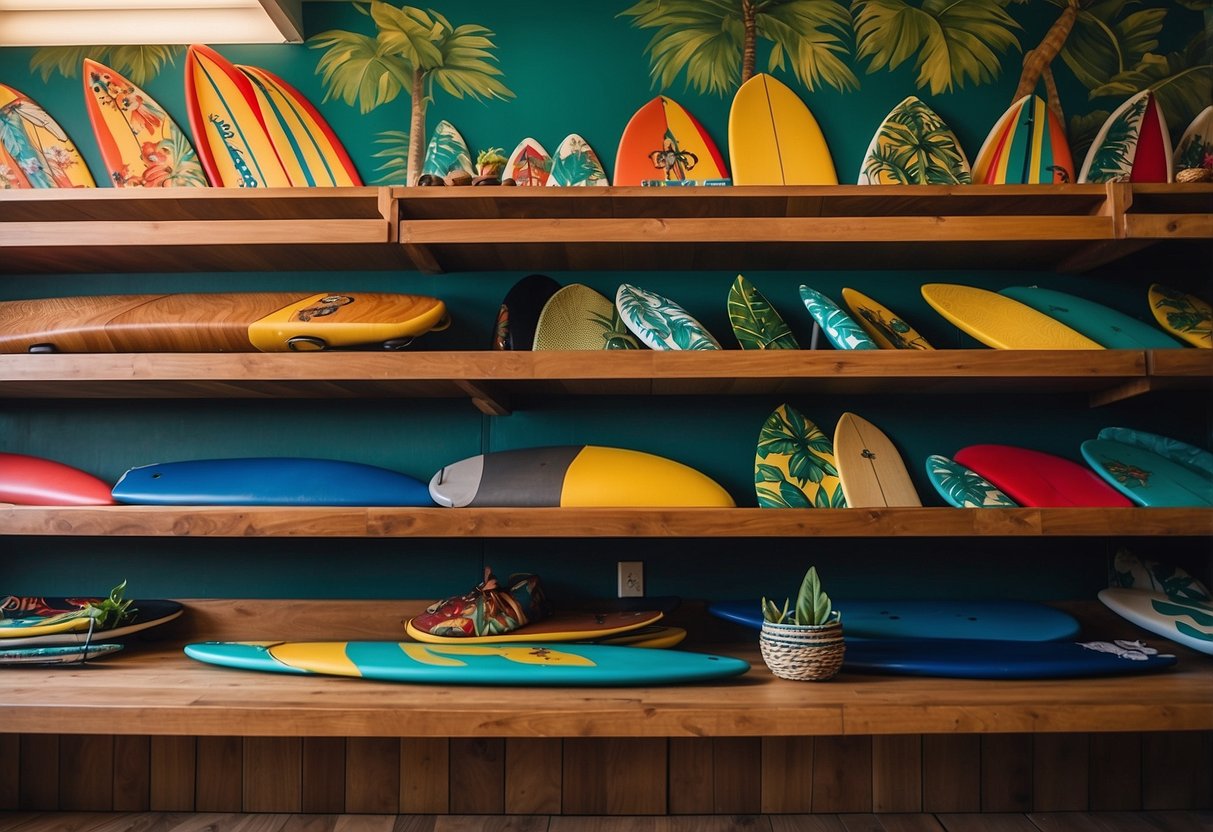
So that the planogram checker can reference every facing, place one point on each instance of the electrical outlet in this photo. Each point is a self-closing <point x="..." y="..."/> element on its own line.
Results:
<point x="631" y="579"/>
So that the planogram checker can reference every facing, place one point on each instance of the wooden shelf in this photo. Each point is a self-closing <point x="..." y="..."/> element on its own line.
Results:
<point x="460" y="229"/>
<point x="499" y="381"/>
<point x="371" y="521"/>
<point x="154" y="689"/>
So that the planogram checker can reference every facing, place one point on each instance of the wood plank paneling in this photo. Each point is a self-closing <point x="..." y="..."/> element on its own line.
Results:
<point x="220" y="774"/>
<point x="691" y="774"/>
<point x="951" y="773"/>
<point x="1006" y="772"/>
<point x="323" y="774"/>
<point x="425" y="776"/>
<point x="897" y="773"/>
<point x="372" y="775"/>
<point x="787" y="774"/>
<point x="842" y="774"/>
<point x="477" y="776"/>
<point x="737" y="776"/>
<point x="533" y="776"/>
<point x="39" y="763"/>
<point x="10" y="785"/>
<point x="132" y="773"/>
<point x="273" y="774"/>
<point x="86" y="772"/>
<point x="1060" y="775"/>
<point x="1115" y="778"/>
<point x="615" y="776"/>
<point x="171" y="782"/>
<point x="1176" y="771"/>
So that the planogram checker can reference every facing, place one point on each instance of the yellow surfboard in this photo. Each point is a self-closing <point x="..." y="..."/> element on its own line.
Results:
<point x="774" y="139"/>
<point x="141" y="145"/>
<point x="870" y="468"/>
<point x="43" y="154"/>
<point x="1002" y="323"/>
<point x="884" y="327"/>
<point x="1184" y="316"/>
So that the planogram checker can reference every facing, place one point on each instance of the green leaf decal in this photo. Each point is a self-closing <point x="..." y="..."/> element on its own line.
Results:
<point x="755" y="322"/>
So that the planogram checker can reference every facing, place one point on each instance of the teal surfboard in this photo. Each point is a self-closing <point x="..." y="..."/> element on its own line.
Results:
<point x="62" y="654"/>
<point x="1105" y="326"/>
<point x="840" y="329"/>
<point x="1189" y="456"/>
<point x="915" y="619"/>
<point x="963" y="487"/>
<point x="1147" y="478"/>
<point x="485" y="664"/>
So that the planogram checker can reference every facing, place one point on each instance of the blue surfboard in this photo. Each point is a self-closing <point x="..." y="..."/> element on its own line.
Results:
<point x="913" y="619"/>
<point x="485" y="664"/>
<point x="1147" y="478"/>
<point x="1105" y="326"/>
<point x="269" y="481"/>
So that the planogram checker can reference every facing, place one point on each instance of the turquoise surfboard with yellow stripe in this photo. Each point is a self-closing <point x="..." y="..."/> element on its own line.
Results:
<point x="483" y="664"/>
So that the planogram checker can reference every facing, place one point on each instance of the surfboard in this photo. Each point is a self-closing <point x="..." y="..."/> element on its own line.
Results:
<point x="574" y="475"/>
<point x="913" y="146"/>
<point x="962" y="487"/>
<point x="34" y="481"/>
<point x="11" y="175"/>
<point x="886" y="329"/>
<point x="870" y="469"/>
<point x="64" y="654"/>
<point x="1108" y="327"/>
<point x="984" y="619"/>
<point x="659" y="323"/>
<point x="840" y="328"/>
<point x="756" y="323"/>
<point x="1189" y="456"/>
<point x="1145" y="477"/>
<point x="774" y="139"/>
<point x="664" y="141"/>
<point x="229" y="130"/>
<point x="578" y="318"/>
<point x="532" y="665"/>
<point x="309" y="150"/>
<point x="794" y="465"/>
<point x="575" y="164"/>
<point x="25" y="621"/>
<point x="1000" y="322"/>
<point x="654" y="637"/>
<point x="1189" y="623"/>
<point x="235" y="322"/>
<point x="140" y="144"/>
<point x="1039" y="480"/>
<point x="560" y="626"/>
<point x="1133" y="144"/>
<point x="1183" y="315"/>
<point x="1195" y="148"/>
<point x="529" y="165"/>
<point x="447" y="152"/>
<point x="518" y="315"/>
<point x="40" y="149"/>
<point x="1027" y="145"/>
<point x="268" y="481"/>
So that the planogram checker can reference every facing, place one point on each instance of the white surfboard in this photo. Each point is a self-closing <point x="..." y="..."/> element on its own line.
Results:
<point x="1189" y="623"/>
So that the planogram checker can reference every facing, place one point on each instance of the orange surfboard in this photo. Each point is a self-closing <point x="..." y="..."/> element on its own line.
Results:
<point x="663" y="141"/>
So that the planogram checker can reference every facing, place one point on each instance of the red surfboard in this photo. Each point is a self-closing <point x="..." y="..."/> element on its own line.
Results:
<point x="1039" y="480"/>
<point x="34" y="481"/>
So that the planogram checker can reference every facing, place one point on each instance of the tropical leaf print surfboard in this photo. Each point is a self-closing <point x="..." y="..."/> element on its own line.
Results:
<point x="794" y="465"/>
<point x="839" y="327"/>
<point x="913" y="146"/>
<point x="963" y="487"/>
<point x="755" y="322"/>
<point x="660" y="323"/>
<point x="447" y="152"/>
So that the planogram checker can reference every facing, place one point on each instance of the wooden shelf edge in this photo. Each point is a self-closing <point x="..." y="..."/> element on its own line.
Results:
<point x="375" y="522"/>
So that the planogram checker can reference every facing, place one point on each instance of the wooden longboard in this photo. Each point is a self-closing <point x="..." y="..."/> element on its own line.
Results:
<point x="557" y="627"/>
<point x="870" y="468"/>
<point x="33" y="481"/>
<point x="41" y="153"/>
<point x="237" y="322"/>
<point x="486" y="664"/>
<point x="774" y="139"/>
<point x="664" y="141"/>
<point x="141" y="145"/>
<point x="574" y="475"/>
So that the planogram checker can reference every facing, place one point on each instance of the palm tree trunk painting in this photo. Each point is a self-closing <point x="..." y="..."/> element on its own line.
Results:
<point x="1037" y="62"/>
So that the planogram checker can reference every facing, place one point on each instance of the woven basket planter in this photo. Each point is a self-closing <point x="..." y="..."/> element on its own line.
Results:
<point x="802" y="653"/>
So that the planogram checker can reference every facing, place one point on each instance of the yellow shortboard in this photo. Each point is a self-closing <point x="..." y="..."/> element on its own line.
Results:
<point x="1002" y="323"/>
<point x="774" y="139"/>
<point x="1184" y="316"/>
<point x="870" y="468"/>
<point x="883" y="326"/>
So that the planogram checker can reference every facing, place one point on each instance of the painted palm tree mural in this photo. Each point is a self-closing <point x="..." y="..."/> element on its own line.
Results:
<point x="138" y="63"/>
<point x="415" y="51"/>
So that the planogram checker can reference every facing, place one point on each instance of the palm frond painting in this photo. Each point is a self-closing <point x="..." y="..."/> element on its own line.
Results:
<point x="138" y="63"/>
<point x="913" y="146"/>
<point x="415" y="51"/>
<point x="659" y="323"/>
<point x="794" y="464"/>
<point x="963" y="487"/>
<point x="395" y="153"/>
<point x="756" y="323"/>
<point x="715" y="42"/>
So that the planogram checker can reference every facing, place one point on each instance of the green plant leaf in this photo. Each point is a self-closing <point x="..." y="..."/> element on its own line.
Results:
<point x="1105" y="42"/>
<point x="353" y="69"/>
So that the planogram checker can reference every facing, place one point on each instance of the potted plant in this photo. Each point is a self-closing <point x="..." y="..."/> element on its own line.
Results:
<point x="491" y="162"/>
<point x="805" y="643"/>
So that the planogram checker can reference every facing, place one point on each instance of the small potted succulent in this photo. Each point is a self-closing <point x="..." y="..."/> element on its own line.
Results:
<point x="805" y="643"/>
<point x="491" y="162"/>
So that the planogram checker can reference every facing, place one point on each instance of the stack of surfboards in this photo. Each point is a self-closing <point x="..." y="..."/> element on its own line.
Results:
<point x="52" y="630"/>
<point x="1162" y="599"/>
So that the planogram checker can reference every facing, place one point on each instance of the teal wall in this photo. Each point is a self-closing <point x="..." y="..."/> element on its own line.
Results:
<point x="578" y="69"/>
